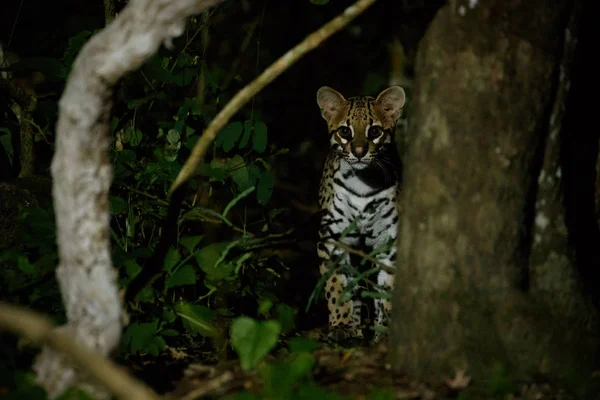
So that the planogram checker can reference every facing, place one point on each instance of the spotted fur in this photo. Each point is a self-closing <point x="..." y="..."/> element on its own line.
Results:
<point x="360" y="184"/>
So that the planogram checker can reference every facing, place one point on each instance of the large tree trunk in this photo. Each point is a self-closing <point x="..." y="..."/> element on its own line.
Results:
<point x="471" y="290"/>
<point x="82" y="175"/>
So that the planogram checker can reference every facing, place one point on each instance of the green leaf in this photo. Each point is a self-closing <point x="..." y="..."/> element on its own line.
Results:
<point x="259" y="139"/>
<point x="197" y="319"/>
<point x="227" y="136"/>
<point x="190" y="242"/>
<point x="319" y="2"/>
<point x="216" y="170"/>
<point x="285" y="316"/>
<point x="117" y="205"/>
<point x="265" y="306"/>
<point x="6" y="142"/>
<point x="155" y="71"/>
<point x="281" y="378"/>
<point x="303" y="345"/>
<point x="252" y="340"/>
<point x="25" y="266"/>
<point x="139" y="337"/>
<point x="185" y="275"/>
<point x="265" y="188"/>
<point x="247" y="133"/>
<point x="171" y="259"/>
<point x="132" y="268"/>
<point x="169" y="332"/>
<point x="114" y="123"/>
<point x="186" y="76"/>
<point x="207" y="259"/>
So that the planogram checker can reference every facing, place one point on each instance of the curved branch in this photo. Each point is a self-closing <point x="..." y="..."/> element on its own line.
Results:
<point x="82" y="176"/>
<point x="38" y="328"/>
<point x="274" y="70"/>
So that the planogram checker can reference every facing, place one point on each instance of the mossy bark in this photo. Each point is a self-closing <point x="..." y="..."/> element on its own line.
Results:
<point x="487" y="80"/>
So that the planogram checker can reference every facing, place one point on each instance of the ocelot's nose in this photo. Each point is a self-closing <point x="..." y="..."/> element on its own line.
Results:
<point x="359" y="151"/>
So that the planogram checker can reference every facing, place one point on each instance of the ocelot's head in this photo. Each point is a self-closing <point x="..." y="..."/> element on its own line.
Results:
<point x="362" y="127"/>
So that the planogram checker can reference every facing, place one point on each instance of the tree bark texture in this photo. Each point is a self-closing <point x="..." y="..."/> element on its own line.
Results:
<point x="486" y="84"/>
<point x="82" y="175"/>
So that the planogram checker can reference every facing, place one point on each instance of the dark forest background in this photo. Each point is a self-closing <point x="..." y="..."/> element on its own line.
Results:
<point x="267" y="278"/>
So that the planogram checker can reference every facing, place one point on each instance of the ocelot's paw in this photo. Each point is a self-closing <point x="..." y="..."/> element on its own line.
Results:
<point x="345" y="335"/>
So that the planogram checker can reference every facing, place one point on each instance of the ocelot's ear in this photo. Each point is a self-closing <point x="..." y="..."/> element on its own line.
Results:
<point x="390" y="103"/>
<point x="330" y="102"/>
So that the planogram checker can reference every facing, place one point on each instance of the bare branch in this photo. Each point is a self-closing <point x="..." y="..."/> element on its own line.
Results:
<point x="362" y="254"/>
<point x="37" y="328"/>
<point x="274" y="70"/>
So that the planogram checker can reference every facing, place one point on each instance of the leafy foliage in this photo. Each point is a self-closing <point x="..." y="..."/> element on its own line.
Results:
<point x="223" y="279"/>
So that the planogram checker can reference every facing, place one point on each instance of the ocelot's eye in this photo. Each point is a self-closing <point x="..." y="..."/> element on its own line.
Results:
<point x="345" y="132"/>
<point x="375" y="132"/>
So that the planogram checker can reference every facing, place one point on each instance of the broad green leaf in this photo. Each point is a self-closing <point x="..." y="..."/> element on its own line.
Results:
<point x="136" y="137"/>
<point x="186" y="76"/>
<point x="157" y="346"/>
<point x="252" y="340"/>
<point x="227" y="136"/>
<point x="25" y="266"/>
<point x="185" y="275"/>
<point x="259" y="139"/>
<point x="191" y="142"/>
<point x="117" y="205"/>
<point x="168" y="315"/>
<point x="247" y="133"/>
<point x="207" y="259"/>
<point x="114" y="123"/>
<point x="244" y="176"/>
<point x="138" y="337"/>
<point x="155" y="70"/>
<point x="190" y="242"/>
<point x="197" y="319"/>
<point x="241" y="177"/>
<point x="171" y="259"/>
<point x="132" y="268"/>
<point x="285" y="316"/>
<point x="265" y="188"/>
<point x="319" y="2"/>
<point x="169" y="332"/>
<point x="282" y="377"/>
<point x="303" y="345"/>
<point x="265" y="306"/>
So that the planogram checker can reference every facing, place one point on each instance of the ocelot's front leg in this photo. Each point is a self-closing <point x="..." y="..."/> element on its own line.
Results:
<point x="383" y="234"/>
<point x="344" y="316"/>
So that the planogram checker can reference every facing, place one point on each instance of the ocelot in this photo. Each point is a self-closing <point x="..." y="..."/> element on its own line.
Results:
<point x="357" y="196"/>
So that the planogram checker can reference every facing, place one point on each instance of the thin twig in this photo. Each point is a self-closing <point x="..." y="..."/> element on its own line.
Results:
<point x="362" y="254"/>
<point x="272" y="72"/>
<point x="209" y="386"/>
<point x="38" y="328"/>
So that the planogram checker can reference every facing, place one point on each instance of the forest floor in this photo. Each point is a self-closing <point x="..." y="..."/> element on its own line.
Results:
<point x="352" y="373"/>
